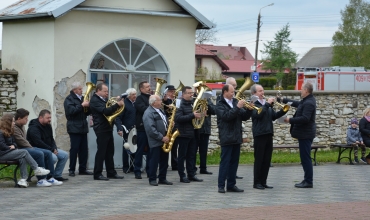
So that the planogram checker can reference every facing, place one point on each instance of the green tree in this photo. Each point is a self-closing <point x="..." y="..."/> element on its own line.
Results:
<point x="277" y="55"/>
<point x="351" y="42"/>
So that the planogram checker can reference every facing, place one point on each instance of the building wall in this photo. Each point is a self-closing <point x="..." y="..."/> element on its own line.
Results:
<point x="28" y="47"/>
<point x="154" y="5"/>
<point x="213" y="68"/>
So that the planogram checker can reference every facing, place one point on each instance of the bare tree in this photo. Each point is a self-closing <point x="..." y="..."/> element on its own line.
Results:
<point x="206" y="35"/>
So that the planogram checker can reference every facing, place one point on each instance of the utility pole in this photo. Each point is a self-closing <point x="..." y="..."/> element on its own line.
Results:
<point x="258" y="36"/>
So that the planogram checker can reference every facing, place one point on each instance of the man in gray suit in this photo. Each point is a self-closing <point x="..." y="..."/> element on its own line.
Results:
<point x="156" y="124"/>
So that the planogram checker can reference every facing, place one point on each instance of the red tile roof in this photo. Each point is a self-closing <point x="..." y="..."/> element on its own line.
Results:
<point x="229" y="52"/>
<point x="200" y="51"/>
<point x="242" y="66"/>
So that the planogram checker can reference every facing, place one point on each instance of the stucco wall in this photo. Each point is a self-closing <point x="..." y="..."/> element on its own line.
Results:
<point x="154" y="5"/>
<point x="212" y="66"/>
<point x="334" y="112"/>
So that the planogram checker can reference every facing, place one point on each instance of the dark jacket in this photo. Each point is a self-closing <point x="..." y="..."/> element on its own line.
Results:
<point x="76" y="117"/>
<point x="141" y="104"/>
<point x="229" y="122"/>
<point x="41" y="135"/>
<point x="206" y="127"/>
<point x="364" y="127"/>
<point x="5" y="142"/>
<point x="154" y="127"/>
<point x="127" y="117"/>
<point x="262" y="123"/>
<point x="98" y="110"/>
<point x="303" y="124"/>
<point x="183" y="119"/>
<point x="353" y="135"/>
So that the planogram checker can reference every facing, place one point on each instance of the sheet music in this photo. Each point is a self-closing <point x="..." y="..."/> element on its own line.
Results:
<point x="281" y="119"/>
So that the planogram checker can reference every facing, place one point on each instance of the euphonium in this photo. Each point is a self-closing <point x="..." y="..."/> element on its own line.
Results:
<point x="167" y="147"/>
<point x="90" y="87"/>
<point x="110" y="102"/>
<point x="159" y="85"/>
<point x="239" y="95"/>
<point x="200" y="105"/>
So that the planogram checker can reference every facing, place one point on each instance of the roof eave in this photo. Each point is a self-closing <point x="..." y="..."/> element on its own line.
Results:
<point x="26" y="16"/>
<point x="204" y="23"/>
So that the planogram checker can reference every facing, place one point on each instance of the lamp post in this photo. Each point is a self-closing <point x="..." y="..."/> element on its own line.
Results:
<point x="258" y="36"/>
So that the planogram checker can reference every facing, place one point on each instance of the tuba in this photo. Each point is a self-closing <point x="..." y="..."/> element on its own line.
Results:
<point x="200" y="105"/>
<point x="90" y="86"/>
<point x="239" y="95"/>
<point x="111" y="102"/>
<point x="159" y="85"/>
<point x="167" y="147"/>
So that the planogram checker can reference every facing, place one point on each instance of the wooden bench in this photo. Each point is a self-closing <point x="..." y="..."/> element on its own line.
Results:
<point x="342" y="148"/>
<point x="8" y="163"/>
<point x="313" y="147"/>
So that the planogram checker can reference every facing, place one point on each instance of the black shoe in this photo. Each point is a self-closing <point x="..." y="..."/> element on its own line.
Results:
<point x="116" y="176"/>
<point x="85" y="173"/>
<point x="205" y="172"/>
<point x="303" y="184"/>
<point x="61" y="178"/>
<point x="153" y="183"/>
<point x="184" y="180"/>
<point x="195" y="179"/>
<point x="165" y="182"/>
<point x="267" y="186"/>
<point x="72" y="173"/>
<point x="235" y="189"/>
<point x="138" y="176"/>
<point x="221" y="190"/>
<point x="238" y="177"/>
<point x="258" y="186"/>
<point x="101" y="177"/>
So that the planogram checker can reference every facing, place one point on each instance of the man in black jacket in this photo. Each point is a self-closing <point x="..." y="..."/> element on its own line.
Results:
<point x="103" y="131"/>
<point x="183" y="119"/>
<point x="124" y="123"/>
<point x="263" y="132"/>
<point x="303" y="127"/>
<point x="141" y="104"/>
<point x="230" y="114"/>
<point x="74" y="107"/>
<point x="40" y="134"/>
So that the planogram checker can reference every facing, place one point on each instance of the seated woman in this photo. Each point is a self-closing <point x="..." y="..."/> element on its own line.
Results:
<point x="364" y="126"/>
<point x="9" y="151"/>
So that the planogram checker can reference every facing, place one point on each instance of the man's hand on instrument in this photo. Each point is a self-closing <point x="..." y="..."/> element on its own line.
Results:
<point x="120" y="133"/>
<point x="286" y="119"/>
<point x="165" y="139"/>
<point x="85" y="103"/>
<point x="250" y="105"/>
<point x="270" y="100"/>
<point x="120" y="103"/>
<point x="241" y="103"/>
<point x="197" y="114"/>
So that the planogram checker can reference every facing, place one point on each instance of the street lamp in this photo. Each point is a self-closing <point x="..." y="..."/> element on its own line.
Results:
<point x="258" y="36"/>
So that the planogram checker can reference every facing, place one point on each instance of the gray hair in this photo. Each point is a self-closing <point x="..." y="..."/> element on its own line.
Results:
<point x="308" y="86"/>
<point x="253" y="88"/>
<point x="75" y="85"/>
<point x="130" y="91"/>
<point x="152" y="99"/>
<point x="229" y="79"/>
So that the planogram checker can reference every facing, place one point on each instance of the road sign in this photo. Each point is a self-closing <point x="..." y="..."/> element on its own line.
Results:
<point x="256" y="76"/>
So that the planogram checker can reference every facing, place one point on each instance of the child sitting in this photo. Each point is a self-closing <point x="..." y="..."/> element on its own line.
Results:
<point x="354" y="138"/>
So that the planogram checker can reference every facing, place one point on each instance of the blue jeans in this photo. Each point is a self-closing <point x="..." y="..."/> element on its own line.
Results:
<point x="228" y="165"/>
<point x="38" y="156"/>
<point x="305" y="153"/>
<point x="48" y="160"/>
<point x="62" y="158"/>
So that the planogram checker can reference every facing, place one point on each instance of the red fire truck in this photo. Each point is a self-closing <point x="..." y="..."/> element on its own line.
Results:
<point x="334" y="78"/>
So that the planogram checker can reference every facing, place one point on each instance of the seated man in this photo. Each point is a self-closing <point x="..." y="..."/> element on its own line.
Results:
<point x="40" y="134"/>
<point x="43" y="157"/>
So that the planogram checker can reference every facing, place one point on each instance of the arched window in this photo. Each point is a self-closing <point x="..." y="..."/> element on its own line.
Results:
<point x="125" y="63"/>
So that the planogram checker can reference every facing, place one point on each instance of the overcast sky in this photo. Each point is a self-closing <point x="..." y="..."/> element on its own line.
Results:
<point x="312" y="22"/>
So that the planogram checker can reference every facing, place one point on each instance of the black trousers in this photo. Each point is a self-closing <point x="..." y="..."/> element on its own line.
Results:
<point x="201" y="143"/>
<point x="78" y="148"/>
<point x="186" y="153"/>
<point x="174" y="154"/>
<point x="262" y="158"/>
<point x="105" y="153"/>
<point x="158" y="156"/>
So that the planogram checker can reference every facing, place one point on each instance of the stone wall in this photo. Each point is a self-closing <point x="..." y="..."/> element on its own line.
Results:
<point x="8" y="88"/>
<point x="334" y="112"/>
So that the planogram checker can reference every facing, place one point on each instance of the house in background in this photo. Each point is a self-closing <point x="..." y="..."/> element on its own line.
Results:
<point x="316" y="57"/>
<point x="207" y="64"/>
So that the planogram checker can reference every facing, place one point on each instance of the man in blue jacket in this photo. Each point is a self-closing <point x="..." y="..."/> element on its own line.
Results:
<point x="74" y="107"/>
<point x="303" y="127"/>
<point x="230" y="114"/>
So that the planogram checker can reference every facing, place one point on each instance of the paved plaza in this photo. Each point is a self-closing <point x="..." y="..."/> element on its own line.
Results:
<point x="340" y="192"/>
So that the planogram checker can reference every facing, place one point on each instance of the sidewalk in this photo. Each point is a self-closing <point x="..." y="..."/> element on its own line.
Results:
<point x="340" y="192"/>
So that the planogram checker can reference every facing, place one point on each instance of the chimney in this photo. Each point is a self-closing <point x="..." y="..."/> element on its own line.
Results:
<point x="230" y="45"/>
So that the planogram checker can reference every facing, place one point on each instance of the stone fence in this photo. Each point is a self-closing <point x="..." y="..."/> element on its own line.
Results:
<point x="8" y="88"/>
<point x="333" y="116"/>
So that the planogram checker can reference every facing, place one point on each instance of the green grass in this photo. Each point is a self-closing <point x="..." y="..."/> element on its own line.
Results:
<point x="278" y="156"/>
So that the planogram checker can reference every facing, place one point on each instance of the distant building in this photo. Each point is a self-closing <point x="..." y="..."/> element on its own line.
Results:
<point x="316" y="57"/>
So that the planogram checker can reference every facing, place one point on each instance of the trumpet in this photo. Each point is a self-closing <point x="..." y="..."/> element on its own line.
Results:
<point x="247" y="105"/>
<point x="284" y="107"/>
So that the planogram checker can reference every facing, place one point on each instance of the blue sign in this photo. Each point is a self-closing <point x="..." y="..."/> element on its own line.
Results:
<point x="256" y="76"/>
